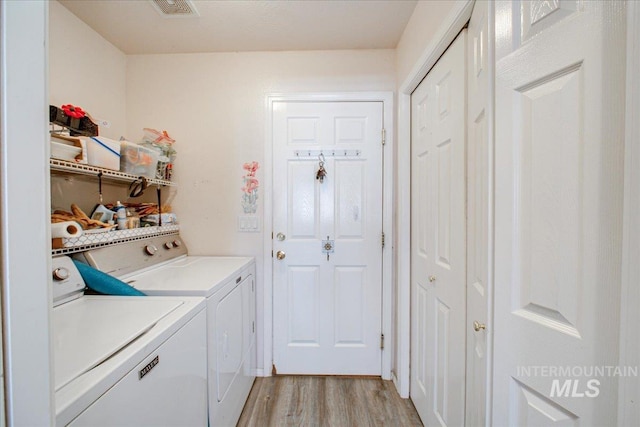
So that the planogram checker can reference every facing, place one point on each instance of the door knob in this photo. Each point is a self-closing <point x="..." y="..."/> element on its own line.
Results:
<point x="477" y="326"/>
<point x="432" y="279"/>
<point x="280" y="255"/>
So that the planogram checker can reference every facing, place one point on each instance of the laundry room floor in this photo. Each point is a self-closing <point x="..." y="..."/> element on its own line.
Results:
<point x="326" y="401"/>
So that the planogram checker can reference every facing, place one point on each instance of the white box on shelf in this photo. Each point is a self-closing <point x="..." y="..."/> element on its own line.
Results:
<point x="63" y="151"/>
<point x="103" y="152"/>
<point x="69" y="148"/>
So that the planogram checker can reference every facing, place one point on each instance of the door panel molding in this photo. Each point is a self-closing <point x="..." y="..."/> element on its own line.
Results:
<point x="349" y="131"/>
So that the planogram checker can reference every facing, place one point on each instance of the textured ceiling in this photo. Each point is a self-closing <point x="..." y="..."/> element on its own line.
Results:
<point x="135" y="27"/>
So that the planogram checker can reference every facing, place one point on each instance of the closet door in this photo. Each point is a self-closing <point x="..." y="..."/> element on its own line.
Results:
<point x="479" y="213"/>
<point x="560" y="76"/>
<point x="438" y="240"/>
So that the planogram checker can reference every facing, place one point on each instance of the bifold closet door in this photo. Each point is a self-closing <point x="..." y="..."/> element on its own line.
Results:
<point x="438" y="251"/>
<point x="479" y="214"/>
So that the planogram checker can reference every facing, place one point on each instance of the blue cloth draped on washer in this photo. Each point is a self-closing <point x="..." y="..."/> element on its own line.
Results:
<point x="104" y="283"/>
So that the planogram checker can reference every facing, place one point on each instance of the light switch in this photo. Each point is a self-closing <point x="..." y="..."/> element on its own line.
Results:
<point x="248" y="223"/>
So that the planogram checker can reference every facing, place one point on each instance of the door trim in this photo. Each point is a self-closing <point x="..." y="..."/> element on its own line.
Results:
<point x="446" y="34"/>
<point x="629" y="387"/>
<point x="387" y="214"/>
<point x="25" y="274"/>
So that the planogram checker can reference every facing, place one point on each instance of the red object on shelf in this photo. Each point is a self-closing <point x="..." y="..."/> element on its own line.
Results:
<point x="73" y="111"/>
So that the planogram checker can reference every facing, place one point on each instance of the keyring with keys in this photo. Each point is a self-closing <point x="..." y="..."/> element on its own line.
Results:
<point x="321" y="170"/>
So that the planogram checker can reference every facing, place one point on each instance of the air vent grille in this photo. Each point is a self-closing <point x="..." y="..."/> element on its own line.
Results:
<point x="175" y="8"/>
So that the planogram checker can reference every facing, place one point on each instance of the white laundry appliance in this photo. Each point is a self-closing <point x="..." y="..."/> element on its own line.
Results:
<point x="126" y="361"/>
<point x="227" y="283"/>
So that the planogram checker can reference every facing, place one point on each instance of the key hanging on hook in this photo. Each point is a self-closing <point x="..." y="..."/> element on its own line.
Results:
<point x="321" y="170"/>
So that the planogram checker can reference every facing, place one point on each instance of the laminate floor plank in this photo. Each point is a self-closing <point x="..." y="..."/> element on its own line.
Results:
<point x="326" y="401"/>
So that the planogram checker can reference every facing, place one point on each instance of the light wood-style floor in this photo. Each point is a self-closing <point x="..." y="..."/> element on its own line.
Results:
<point x="326" y="401"/>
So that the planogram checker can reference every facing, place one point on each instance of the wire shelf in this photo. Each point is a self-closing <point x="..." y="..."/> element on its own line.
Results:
<point x="109" y="238"/>
<point x="77" y="168"/>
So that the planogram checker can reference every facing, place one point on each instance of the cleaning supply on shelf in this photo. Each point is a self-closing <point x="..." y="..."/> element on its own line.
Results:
<point x="102" y="213"/>
<point x="121" y="216"/>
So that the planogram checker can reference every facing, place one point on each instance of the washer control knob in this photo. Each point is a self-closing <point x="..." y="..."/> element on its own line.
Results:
<point x="60" y="274"/>
<point x="168" y="245"/>
<point x="150" y="250"/>
<point x="177" y="243"/>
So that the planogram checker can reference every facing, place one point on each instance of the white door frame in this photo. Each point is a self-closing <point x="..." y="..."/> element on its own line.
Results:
<point x="25" y="231"/>
<point x="452" y="24"/>
<point x="387" y="214"/>
<point x="629" y="387"/>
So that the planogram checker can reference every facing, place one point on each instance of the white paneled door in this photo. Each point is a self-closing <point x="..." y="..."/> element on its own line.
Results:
<point x="327" y="243"/>
<point x="479" y="214"/>
<point x="438" y="240"/>
<point x="559" y="141"/>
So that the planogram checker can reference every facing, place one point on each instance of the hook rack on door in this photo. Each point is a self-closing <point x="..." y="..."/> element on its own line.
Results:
<point x="327" y="153"/>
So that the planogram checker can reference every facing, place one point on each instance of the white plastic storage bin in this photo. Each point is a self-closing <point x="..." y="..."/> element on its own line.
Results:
<point x="103" y="152"/>
<point x="138" y="160"/>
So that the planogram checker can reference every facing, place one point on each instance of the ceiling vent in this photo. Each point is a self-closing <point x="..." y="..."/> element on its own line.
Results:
<point x="175" y="8"/>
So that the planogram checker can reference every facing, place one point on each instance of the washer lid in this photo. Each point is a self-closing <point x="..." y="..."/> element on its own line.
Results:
<point x="192" y="275"/>
<point x="88" y="331"/>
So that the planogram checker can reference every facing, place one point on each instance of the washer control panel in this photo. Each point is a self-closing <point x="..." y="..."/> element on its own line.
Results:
<point x="126" y="258"/>
<point x="66" y="280"/>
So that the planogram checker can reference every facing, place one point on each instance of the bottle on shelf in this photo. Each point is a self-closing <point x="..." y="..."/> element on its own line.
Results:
<point x="121" y="215"/>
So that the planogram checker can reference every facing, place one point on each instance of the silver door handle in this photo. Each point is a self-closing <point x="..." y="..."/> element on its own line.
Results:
<point x="432" y="279"/>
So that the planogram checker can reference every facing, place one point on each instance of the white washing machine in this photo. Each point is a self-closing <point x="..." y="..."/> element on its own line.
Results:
<point x="126" y="361"/>
<point x="227" y="283"/>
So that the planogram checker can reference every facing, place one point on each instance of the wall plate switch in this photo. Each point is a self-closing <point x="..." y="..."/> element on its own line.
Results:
<point x="248" y="223"/>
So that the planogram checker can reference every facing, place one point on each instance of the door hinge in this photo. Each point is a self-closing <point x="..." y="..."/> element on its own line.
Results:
<point x="383" y="239"/>
<point x="384" y="136"/>
<point x="253" y="327"/>
<point x="271" y="253"/>
<point x="381" y="341"/>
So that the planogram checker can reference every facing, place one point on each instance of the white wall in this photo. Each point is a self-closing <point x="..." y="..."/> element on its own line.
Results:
<point x="86" y="70"/>
<point x="426" y="20"/>
<point x="214" y="105"/>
